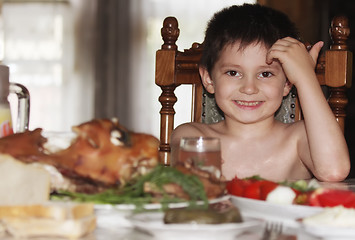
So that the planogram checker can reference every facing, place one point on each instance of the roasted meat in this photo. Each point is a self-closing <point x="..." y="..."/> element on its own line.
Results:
<point x="106" y="151"/>
<point x="161" y="185"/>
<point x="103" y="154"/>
<point x="26" y="146"/>
<point x="213" y="186"/>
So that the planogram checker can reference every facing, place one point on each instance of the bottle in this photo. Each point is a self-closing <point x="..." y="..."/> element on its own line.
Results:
<point x="5" y="111"/>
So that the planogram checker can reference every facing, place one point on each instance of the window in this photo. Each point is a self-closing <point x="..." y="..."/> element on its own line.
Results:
<point x="39" y="48"/>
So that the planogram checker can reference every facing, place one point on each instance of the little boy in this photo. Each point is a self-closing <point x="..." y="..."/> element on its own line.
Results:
<point x="250" y="61"/>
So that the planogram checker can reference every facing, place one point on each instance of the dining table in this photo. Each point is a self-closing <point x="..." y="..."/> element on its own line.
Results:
<point x="117" y="223"/>
<point x="124" y="230"/>
<point x="122" y="222"/>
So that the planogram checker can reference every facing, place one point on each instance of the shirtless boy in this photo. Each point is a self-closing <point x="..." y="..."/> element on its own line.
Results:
<point x="250" y="61"/>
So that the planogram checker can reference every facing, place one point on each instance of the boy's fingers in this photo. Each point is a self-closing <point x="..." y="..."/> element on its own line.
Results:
<point x="314" y="52"/>
<point x="269" y="58"/>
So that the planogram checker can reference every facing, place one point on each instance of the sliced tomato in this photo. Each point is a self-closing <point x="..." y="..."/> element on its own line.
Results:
<point x="332" y="198"/>
<point x="237" y="186"/>
<point x="253" y="190"/>
<point x="259" y="189"/>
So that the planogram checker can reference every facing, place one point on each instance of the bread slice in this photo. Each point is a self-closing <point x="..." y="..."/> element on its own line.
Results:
<point x="51" y="219"/>
<point x="22" y="183"/>
<point x="51" y="210"/>
<point x="25" y="209"/>
<point x="44" y="227"/>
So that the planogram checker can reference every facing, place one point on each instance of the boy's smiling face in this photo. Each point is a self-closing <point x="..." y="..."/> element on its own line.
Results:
<point x="246" y="88"/>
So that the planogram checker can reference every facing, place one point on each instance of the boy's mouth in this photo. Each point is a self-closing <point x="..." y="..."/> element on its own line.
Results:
<point x="248" y="103"/>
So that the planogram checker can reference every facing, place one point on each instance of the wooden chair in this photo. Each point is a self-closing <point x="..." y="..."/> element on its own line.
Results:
<point x="174" y="68"/>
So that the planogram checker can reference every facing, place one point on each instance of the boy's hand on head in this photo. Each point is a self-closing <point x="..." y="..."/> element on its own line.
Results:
<point x="315" y="50"/>
<point x="297" y="63"/>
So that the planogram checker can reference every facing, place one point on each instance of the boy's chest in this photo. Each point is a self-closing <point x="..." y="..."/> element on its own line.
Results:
<point x="272" y="157"/>
<point x="260" y="150"/>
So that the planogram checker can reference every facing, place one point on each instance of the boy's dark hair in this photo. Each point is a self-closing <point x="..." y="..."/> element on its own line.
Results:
<point x="246" y="23"/>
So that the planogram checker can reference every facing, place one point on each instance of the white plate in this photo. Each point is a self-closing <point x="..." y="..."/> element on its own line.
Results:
<point x="333" y="223"/>
<point x="152" y="223"/>
<point x="154" y="206"/>
<point x="288" y="214"/>
<point x="330" y="233"/>
<point x="114" y="216"/>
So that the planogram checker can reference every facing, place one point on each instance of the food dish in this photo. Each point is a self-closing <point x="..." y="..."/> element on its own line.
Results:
<point x="332" y="223"/>
<point x="287" y="214"/>
<point x="330" y="233"/>
<point x="152" y="223"/>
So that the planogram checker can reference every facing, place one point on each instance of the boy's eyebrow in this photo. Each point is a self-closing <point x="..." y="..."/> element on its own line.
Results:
<point x="223" y="65"/>
<point x="267" y="66"/>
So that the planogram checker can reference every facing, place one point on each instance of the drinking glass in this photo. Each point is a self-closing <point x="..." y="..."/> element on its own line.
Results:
<point x="23" y="104"/>
<point x="202" y="152"/>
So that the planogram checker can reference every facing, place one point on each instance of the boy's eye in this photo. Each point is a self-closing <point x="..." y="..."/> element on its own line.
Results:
<point x="233" y="73"/>
<point x="265" y="74"/>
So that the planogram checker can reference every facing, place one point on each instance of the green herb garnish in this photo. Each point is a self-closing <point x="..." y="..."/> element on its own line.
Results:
<point x="133" y="192"/>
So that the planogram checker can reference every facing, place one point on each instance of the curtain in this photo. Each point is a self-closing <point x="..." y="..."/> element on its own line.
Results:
<point x="112" y="60"/>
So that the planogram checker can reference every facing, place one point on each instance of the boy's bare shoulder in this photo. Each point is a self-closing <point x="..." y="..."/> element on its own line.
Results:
<point x="194" y="129"/>
<point x="191" y="129"/>
<point x="294" y="132"/>
<point x="297" y="127"/>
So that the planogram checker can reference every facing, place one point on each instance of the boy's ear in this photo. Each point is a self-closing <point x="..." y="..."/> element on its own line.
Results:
<point x="206" y="80"/>
<point x="287" y="87"/>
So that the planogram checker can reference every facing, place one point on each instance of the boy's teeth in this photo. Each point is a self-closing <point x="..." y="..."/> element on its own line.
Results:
<point x="247" y="103"/>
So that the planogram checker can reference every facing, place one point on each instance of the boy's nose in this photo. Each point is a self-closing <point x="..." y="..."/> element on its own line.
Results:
<point x="249" y="87"/>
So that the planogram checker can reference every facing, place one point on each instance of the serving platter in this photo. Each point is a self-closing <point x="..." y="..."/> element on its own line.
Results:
<point x="332" y="223"/>
<point x="329" y="232"/>
<point x="289" y="215"/>
<point x="155" y="206"/>
<point x="152" y="223"/>
<point x="117" y="215"/>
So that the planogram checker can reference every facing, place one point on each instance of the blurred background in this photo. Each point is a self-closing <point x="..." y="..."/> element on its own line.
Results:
<point x="85" y="59"/>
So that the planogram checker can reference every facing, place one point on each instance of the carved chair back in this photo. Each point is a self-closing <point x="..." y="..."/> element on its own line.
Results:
<point x="174" y="68"/>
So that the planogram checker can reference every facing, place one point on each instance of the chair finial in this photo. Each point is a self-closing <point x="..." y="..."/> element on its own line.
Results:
<point x="170" y="33"/>
<point x="339" y="32"/>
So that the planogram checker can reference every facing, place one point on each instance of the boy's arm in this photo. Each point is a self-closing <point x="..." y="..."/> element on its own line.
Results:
<point x="326" y="153"/>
